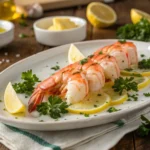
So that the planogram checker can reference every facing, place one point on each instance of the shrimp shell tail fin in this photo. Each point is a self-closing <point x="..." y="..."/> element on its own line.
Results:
<point x="36" y="99"/>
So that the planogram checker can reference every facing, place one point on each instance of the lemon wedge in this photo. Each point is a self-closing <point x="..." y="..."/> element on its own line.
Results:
<point x="12" y="102"/>
<point x="94" y="103"/>
<point x="100" y="15"/>
<point x="74" y="54"/>
<point x="136" y="15"/>
<point x="116" y="99"/>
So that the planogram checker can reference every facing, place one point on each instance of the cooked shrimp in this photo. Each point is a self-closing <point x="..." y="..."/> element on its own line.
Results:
<point x="109" y="64"/>
<point x="132" y="51"/>
<point x="117" y="51"/>
<point x="67" y="82"/>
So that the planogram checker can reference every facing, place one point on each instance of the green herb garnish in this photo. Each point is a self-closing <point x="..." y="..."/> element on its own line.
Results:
<point x="128" y="69"/>
<point x="122" y="41"/>
<point x="95" y="105"/>
<point x="86" y="115"/>
<point x="139" y="31"/>
<point x="90" y="56"/>
<point x="100" y="52"/>
<point x="133" y="97"/>
<point x="22" y="35"/>
<point x="142" y="55"/>
<point x="144" y="128"/>
<point x="120" y="123"/>
<point x="83" y="61"/>
<point x="23" y="23"/>
<point x="125" y="84"/>
<point x="54" y="107"/>
<point x="146" y="94"/>
<point x="27" y="86"/>
<point x="112" y="109"/>
<point x="1" y="101"/>
<point x="136" y="75"/>
<point x="99" y="94"/>
<point x="55" y="67"/>
<point x="144" y="64"/>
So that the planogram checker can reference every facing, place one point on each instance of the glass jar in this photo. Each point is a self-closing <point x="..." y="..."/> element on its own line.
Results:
<point x="7" y="9"/>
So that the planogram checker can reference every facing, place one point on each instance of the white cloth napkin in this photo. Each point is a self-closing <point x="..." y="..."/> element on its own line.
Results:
<point x="99" y="137"/>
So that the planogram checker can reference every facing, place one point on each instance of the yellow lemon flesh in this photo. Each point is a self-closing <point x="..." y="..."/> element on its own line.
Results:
<point x="93" y="103"/>
<point x="116" y="99"/>
<point x="74" y="54"/>
<point x="136" y="15"/>
<point x="100" y="15"/>
<point x="143" y="72"/>
<point x="12" y="102"/>
<point x="142" y="82"/>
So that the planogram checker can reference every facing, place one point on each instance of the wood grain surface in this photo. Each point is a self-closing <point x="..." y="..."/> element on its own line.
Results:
<point x="28" y="46"/>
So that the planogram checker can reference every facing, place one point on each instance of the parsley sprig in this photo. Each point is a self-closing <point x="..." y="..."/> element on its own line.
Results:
<point x="112" y="109"/>
<point x="146" y="94"/>
<point x="144" y="128"/>
<point x="54" y="107"/>
<point x="139" y="31"/>
<point x="144" y="64"/>
<point x="125" y="84"/>
<point x="27" y="86"/>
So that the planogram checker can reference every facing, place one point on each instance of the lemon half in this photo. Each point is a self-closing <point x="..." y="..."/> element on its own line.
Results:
<point x="74" y="54"/>
<point x="12" y="102"/>
<point x="94" y="103"/>
<point x="137" y="15"/>
<point x="100" y="15"/>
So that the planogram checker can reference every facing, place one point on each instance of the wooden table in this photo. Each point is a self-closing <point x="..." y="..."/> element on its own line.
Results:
<point x="28" y="46"/>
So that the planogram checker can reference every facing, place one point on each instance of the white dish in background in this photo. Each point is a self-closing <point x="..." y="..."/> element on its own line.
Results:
<point x="7" y="36"/>
<point x="40" y="64"/>
<point x="55" y="38"/>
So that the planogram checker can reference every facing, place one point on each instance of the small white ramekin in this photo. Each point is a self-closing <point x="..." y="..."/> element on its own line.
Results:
<point x="55" y="38"/>
<point x="7" y="36"/>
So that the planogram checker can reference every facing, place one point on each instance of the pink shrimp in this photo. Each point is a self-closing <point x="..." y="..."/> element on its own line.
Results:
<point x="67" y="82"/>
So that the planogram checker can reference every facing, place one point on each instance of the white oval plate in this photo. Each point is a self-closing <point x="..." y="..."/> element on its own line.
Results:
<point x="41" y="64"/>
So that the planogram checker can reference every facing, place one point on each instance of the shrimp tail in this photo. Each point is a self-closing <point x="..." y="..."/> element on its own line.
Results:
<point x="35" y="99"/>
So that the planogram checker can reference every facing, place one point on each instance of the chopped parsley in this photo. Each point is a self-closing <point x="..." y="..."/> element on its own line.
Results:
<point x="55" y="67"/>
<point x="146" y="94"/>
<point x="86" y="115"/>
<point x="27" y="86"/>
<point x="142" y="55"/>
<point x="122" y="41"/>
<point x="144" y="64"/>
<point x="22" y="35"/>
<point x="99" y="94"/>
<point x="1" y="101"/>
<point x="90" y="56"/>
<point x="128" y="69"/>
<point x="95" y="105"/>
<point x="136" y="75"/>
<point x="23" y="23"/>
<point x="41" y="120"/>
<point x="144" y="128"/>
<point x="139" y="31"/>
<point x="100" y="52"/>
<point x="112" y="109"/>
<point x="120" y="123"/>
<point x="54" y="107"/>
<point x="125" y="84"/>
<point x="133" y="97"/>
<point x="83" y="61"/>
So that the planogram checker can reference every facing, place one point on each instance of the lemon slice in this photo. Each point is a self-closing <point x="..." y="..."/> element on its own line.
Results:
<point x="12" y="103"/>
<point x="116" y="99"/>
<point x="142" y="82"/>
<point x="136" y="15"/>
<point x="143" y="72"/>
<point x="100" y="15"/>
<point x="93" y="103"/>
<point x="74" y="54"/>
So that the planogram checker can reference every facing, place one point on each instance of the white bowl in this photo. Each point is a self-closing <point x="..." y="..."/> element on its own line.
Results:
<point x="7" y="36"/>
<point x="54" y="38"/>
